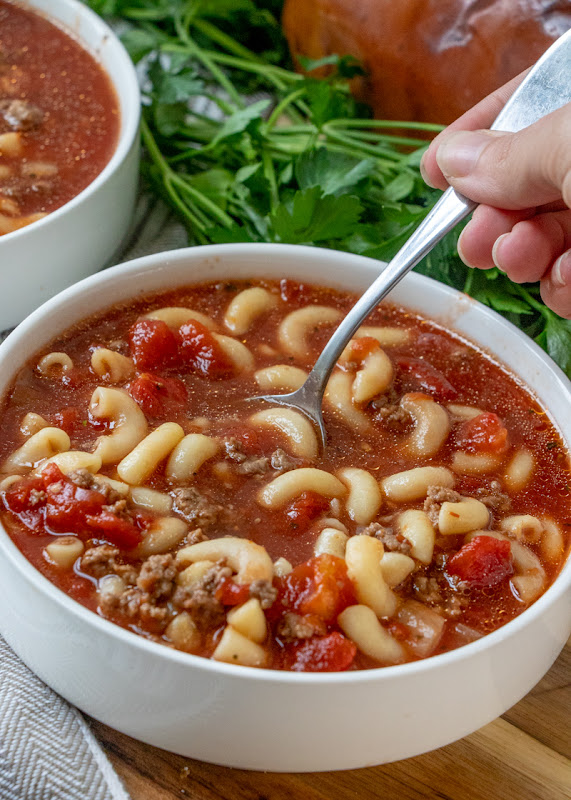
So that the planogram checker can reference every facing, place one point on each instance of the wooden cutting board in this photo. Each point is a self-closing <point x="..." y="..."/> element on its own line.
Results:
<point x="525" y="755"/>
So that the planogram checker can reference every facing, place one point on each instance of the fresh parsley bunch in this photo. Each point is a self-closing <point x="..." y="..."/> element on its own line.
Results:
<point x="244" y="149"/>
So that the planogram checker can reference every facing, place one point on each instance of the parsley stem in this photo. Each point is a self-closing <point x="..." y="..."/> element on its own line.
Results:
<point x="279" y="76"/>
<point x="332" y="134"/>
<point x="225" y="41"/>
<point x="535" y="304"/>
<point x="205" y="58"/>
<point x="386" y="123"/>
<point x="204" y="201"/>
<point x="152" y="148"/>
<point x="469" y="281"/>
<point x="281" y="107"/>
<point x="183" y="208"/>
<point x="370" y="136"/>
<point x="270" y="175"/>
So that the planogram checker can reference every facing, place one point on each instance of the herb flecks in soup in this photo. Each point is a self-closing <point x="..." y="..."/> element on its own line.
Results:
<point x="139" y="480"/>
<point x="59" y="117"/>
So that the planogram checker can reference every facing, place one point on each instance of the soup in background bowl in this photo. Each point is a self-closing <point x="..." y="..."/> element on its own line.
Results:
<point x="166" y="504"/>
<point x="69" y="115"/>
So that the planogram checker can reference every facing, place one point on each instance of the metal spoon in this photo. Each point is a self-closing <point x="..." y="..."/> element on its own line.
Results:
<point x="546" y="88"/>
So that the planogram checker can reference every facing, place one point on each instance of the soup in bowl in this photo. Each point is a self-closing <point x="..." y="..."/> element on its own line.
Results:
<point x="228" y="559"/>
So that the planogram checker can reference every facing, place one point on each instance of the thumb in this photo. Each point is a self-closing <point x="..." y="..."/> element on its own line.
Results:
<point x="511" y="170"/>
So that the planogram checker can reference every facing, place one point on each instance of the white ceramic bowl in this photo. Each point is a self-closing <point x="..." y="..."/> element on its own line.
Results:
<point x="262" y="719"/>
<point x="41" y="259"/>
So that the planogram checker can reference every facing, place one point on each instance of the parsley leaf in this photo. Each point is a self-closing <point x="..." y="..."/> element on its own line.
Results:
<point x="558" y="340"/>
<point x="240" y="120"/>
<point x="312" y="216"/>
<point x="334" y="172"/>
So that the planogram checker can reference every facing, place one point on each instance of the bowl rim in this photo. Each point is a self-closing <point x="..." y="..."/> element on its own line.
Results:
<point x="129" y="103"/>
<point x="556" y="590"/>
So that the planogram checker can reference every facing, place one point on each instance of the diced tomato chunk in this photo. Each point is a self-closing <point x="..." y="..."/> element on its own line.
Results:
<point x="320" y="586"/>
<point x="363" y="346"/>
<point x="19" y="497"/>
<point x="200" y="351"/>
<point x="153" y="344"/>
<point x="230" y="593"/>
<point x="332" y="653"/>
<point x="426" y="377"/>
<point x="26" y="499"/>
<point x="68" y="419"/>
<point x="120" y="532"/>
<point x="482" y="562"/>
<point x="54" y="502"/>
<point x="157" y="395"/>
<point x="305" y="508"/>
<point x="485" y="433"/>
<point x="67" y="506"/>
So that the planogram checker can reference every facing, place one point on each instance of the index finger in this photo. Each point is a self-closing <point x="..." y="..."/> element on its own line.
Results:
<point x="481" y="116"/>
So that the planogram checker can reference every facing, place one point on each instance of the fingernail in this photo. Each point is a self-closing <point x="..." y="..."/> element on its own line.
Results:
<point x="423" y="173"/>
<point x="561" y="271"/>
<point x="495" y="254"/>
<point x="461" y="250"/>
<point x="459" y="152"/>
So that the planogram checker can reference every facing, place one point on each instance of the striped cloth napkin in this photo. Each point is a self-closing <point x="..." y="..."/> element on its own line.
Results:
<point x="47" y="751"/>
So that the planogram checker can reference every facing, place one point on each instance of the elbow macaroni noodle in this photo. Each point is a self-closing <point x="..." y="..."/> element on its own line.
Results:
<point x="175" y="316"/>
<point x="294" y="331"/>
<point x="189" y="455"/>
<point x="46" y="443"/>
<point x="111" y="366"/>
<point x="145" y="457"/>
<point x="292" y="484"/>
<point x="246" y="307"/>
<point x="299" y="432"/>
<point x="129" y="425"/>
<point x="431" y="425"/>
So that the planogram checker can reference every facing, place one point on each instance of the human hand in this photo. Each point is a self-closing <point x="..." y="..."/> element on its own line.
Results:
<point x="523" y="184"/>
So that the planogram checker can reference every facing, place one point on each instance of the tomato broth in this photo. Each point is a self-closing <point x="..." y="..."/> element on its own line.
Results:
<point x="59" y="117"/>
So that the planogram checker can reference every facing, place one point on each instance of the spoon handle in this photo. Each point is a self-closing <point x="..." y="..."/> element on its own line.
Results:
<point x="545" y="88"/>
<point x="448" y="211"/>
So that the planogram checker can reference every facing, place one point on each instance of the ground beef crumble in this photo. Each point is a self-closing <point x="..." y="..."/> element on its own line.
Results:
<point x="103" y="560"/>
<point x="293" y="626"/>
<point x="37" y="497"/>
<point x="429" y="591"/>
<point x="85" y="480"/>
<point x="200" y="599"/>
<point x="157" y="576"/>
<point x="435" y="496"/>
<point x="254" y="466"/>
<point x="21" y="115"/>
<point x="195" y="536"/>
<point x="394" y="418"/>
<point x="119" y="508"/>
<point x="281" y="461"/>
<point x="195" y="508"/>
<point x="494" y="498"/>
<point x="257" y="465"/>
<point x="390" y="413"/>
<point x="391" y="541"/>
<point x="136" y="605"/>
<point x="264" y="591"/>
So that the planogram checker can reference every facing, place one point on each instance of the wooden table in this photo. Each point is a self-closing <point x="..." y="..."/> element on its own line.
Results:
<point x="525" y="755"/>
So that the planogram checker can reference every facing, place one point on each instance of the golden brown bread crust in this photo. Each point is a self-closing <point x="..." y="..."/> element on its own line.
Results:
<point x="427" y="60"/>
